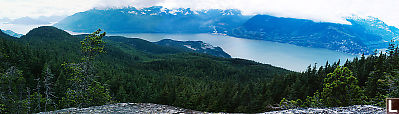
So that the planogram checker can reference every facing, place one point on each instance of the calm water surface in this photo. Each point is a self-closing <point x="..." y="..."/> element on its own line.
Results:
<point x="277" y="54"/>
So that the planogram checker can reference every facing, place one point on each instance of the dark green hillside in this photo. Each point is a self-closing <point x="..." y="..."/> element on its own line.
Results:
<point x="55" y="43"/>
<point x="140" y="44"/>
<point x="367" y="80"/>
<point x="44" y="69"/>
<point x="4" y="35"/>
<point x="194" y="46"/>
<point x="131" y="70"/>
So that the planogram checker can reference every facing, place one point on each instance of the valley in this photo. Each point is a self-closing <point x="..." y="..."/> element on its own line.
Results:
<point x="363" y="35"/>
<point x="283" y="55"/>
<point x="169" y="56"/>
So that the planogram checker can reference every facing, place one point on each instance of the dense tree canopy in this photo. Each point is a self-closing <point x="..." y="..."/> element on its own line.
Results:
<point x="53" y="75"/>
<point x="44" y="70"/>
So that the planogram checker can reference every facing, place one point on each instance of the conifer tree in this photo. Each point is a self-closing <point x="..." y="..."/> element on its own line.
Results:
<point x="340" y="88"/>
<point x="85" y="90"/>
<point x="48" y="86"/>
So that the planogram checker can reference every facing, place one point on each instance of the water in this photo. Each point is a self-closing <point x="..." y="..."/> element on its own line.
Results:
<point x="277" y="54"/>
<point x="19" y="28"/>
<point x="287" y="56"/>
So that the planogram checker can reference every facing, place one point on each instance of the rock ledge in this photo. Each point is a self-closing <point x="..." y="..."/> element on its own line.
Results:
<point x="124" y="108"/>
<point x="356" y="109"/>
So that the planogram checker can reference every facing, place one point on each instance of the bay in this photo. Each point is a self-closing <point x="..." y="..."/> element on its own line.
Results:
<point x="283" y="55"/>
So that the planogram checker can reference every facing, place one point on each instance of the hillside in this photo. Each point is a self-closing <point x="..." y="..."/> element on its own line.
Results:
<point x="12" y="33"/>
<point x="356" y="38"/>
<point x="154" y="19"/>
<point x="132" y="70"/>
<point x="375" y="26"/>
<point x="168" y="46"/>
<point x="5" y="35"/>
<point x="195" y="46"/>
<point x="364" y="35"/>
<point x="130" y="74"/>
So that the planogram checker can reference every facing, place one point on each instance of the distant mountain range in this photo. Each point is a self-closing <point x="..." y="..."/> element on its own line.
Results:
<point x="4" y="35"/>
<point x="154" y="19"/>
<point x="147" y="70"/>
<point x="42" y="20"/>
<point x="28" y="21"/>
<point x="376" y="27"/>
<point x="363" y="36"/>
<point x="12" y="33"/>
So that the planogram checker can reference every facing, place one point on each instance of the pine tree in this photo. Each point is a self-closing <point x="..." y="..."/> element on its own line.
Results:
<point x="12" y="84"/>
<point x="85" y="90"/>
<point x="48" y="86"/>
<point x="38" y="95"/>
<point x="340" y="88"/>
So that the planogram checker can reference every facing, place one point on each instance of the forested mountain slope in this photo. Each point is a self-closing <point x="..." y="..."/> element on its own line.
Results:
<point x="126" y="73"/>
<point x="360" y="37"/>
<point x="39" y="72"/>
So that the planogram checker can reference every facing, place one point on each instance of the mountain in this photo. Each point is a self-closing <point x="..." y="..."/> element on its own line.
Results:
<point x="154" y="19"/>
<point x="132" y="70"/>
<point x="364" y="35"/>
<point x="195" y="46"/>
<point x="12" y="33"/>
<point x="168" y="46"/>
<point x="376" y="27"/>
<point x="4" y="19"/>
<point x="5" y="35"/>
<point x="28" y="21"/>
<point x="307" y="33"/>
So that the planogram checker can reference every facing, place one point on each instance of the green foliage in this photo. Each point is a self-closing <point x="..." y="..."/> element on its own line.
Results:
<point x="340" y="88"/>
<point x="97" y="94"/>
<point x="285" y="104"/>
<point x="2" y="108"/>
<point x="12" y="90"/>
<point x="135" y="70"/>
<point x="93" y="45"/>
<point x="314" y="101"/>
<point x="34" y="102"/>
<point x="370" y="80"/>
<point x="71" y="99"/>
<point x="85" y="90"/>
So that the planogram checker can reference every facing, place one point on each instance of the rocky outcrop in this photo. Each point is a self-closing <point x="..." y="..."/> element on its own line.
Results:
<point x="124" y="108"/>
<point x="356" y="109"/>
<point x="133" y="108"/>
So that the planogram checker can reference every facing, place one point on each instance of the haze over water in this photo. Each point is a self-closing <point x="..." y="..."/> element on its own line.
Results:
<point x="283" y="55"/>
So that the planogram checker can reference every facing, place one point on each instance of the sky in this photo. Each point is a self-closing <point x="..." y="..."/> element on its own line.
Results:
<point x="317" y="10"/>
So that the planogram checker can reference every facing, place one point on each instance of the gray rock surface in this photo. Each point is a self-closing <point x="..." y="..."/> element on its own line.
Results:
<point x="133" y="108"/>
<point x="356" y="109"/>
<point x="124" y="108"/>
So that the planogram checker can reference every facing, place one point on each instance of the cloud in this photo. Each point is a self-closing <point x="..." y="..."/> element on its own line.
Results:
<point x="124" y="3"/>
<point x="36" y="8"/>
<point x="317" y="10"/>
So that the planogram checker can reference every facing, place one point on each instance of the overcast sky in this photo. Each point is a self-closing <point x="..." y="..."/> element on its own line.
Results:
<point x="318" y="10"/>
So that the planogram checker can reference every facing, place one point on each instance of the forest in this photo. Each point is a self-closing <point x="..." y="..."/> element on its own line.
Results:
<point x="49" y="69"/>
